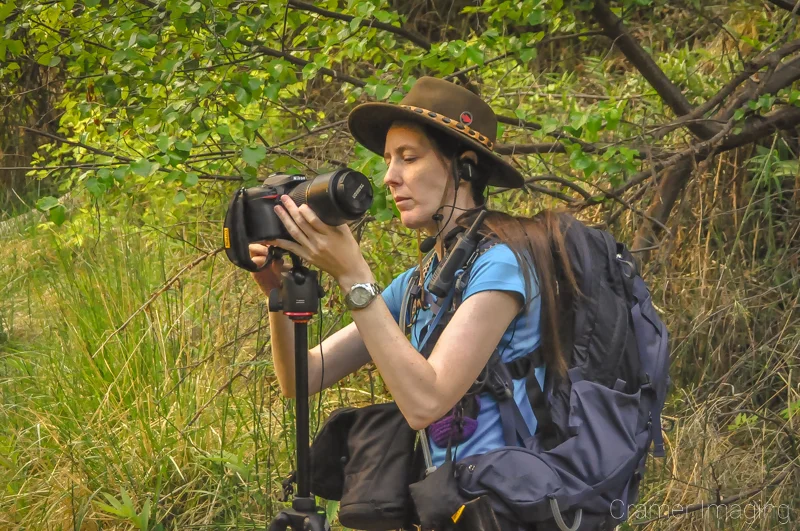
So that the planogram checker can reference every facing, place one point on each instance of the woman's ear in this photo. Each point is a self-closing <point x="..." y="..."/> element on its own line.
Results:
<point x="471" y="155"/>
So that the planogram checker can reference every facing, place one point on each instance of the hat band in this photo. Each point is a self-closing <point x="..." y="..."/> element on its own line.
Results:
<point x="455" y="125"/>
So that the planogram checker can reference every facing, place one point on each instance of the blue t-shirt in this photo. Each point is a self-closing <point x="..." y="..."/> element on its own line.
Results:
<point x="495" y="269"/>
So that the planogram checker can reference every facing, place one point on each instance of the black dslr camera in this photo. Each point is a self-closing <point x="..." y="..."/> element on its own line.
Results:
<point x="335" y="197"/>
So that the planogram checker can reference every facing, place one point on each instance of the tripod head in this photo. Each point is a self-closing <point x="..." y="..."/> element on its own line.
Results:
<point x="299" y="295"/>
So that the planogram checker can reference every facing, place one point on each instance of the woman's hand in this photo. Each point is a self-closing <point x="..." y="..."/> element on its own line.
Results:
<point x="332" y="249"/>
<point x="268" y="278"/>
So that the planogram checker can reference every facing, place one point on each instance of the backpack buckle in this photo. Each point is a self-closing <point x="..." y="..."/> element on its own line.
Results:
<point x="499" y="380"/>
<point x="630" y="270"/>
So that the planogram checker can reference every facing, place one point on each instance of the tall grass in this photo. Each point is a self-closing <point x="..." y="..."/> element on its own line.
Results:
<point x="172" y="421"/>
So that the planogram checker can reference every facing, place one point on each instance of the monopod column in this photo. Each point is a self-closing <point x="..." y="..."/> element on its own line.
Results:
<point x="301" y="407"/>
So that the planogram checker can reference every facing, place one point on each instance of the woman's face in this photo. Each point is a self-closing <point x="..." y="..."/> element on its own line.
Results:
<point x="417" y="177"/>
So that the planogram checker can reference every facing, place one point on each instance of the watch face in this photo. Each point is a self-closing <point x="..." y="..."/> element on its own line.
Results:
<point x="360" y="295"/>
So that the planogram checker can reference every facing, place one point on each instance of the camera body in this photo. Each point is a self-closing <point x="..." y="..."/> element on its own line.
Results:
<point x="336" y="197"/>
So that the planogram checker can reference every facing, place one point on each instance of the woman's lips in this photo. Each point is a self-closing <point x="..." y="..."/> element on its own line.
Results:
<point x="401" y="201"/>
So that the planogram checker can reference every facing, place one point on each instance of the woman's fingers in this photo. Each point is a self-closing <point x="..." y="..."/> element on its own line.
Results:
<point x="305" y="218"/>
<point x="289" y="219"/>
<point x="311" y="218"/>
<point x="258" y="249"/>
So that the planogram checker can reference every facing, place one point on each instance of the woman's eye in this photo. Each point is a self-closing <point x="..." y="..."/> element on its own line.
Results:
<point x="410" y="159"/>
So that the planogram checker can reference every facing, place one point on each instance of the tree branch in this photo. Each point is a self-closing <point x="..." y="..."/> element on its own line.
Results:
<point x="370" y="23"/>
<point x="527" y="149"/>
<point x="301" y="62"/>
<point x="760" y="126"/>
<point x="671" y="94"/>
<point x="788" y="5"/>
<point x="77" y="144"/>
<point x="728" y="89"/>
<point x="563" y="182"/>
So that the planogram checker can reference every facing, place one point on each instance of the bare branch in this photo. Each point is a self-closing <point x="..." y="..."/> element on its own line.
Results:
<point x="760" y="126"/>
<point x="527" y="149"/>
<point x="564" y="182"/>
<point x="301" y="62"/>
<point x="788" y="5"/>
<point x="77" y="144"/>
<point x="728" y="89"/>
<point x="671" y="94"/>
<point x="369" y="23"/>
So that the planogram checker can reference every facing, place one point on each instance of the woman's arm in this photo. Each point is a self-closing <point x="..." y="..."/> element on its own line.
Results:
<point x="424" y="390"/>
<point x="343" y="353"/>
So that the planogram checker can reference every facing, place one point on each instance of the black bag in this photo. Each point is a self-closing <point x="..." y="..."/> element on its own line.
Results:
<point x="365" y="458"/>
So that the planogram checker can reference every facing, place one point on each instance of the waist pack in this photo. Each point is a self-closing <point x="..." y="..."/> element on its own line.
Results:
<point x="365" y="459"/>
<point x="582" y="467"/>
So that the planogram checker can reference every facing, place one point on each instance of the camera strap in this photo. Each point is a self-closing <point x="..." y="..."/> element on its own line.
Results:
<point x="234" y="233"/>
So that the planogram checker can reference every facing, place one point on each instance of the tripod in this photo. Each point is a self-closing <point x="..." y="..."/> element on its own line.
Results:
<point x="298" y="298"/>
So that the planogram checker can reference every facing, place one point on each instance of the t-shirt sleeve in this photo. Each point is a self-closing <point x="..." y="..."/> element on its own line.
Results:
<point x="393" y="294"/>
<point x="497" y="269"/>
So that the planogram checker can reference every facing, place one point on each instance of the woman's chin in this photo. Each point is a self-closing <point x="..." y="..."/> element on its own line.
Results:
<point x="410" y="220"/>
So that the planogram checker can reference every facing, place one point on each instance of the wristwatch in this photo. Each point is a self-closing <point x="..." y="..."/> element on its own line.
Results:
<point x="360" y="295"/>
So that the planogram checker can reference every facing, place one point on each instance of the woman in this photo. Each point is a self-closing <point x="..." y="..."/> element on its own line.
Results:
<point x="438" y="147"/>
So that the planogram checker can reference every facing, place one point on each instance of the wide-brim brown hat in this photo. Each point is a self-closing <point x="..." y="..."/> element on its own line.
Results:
<point x="446" y="106"/>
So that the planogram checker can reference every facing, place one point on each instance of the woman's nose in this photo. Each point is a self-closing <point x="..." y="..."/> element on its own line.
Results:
<point x="392" y="177"/>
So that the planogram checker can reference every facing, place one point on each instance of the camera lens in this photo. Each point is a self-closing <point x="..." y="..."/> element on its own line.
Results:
<point x="336" y="197"/>
<point x="353" y="193"/>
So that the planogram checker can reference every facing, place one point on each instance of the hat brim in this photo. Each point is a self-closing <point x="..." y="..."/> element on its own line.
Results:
<point x="369" y="124"/>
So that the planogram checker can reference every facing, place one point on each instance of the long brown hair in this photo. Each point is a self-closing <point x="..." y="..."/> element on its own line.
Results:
<point x="538" y="245"/>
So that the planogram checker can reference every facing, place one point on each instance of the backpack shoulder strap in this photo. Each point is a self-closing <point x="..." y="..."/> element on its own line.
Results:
<point x="411" y="293"/>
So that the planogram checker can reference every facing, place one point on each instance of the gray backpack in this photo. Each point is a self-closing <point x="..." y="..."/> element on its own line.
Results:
<point x="582" y="467"/>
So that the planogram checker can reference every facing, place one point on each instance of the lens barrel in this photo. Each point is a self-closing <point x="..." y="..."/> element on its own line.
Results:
<point x="335" y="197"/>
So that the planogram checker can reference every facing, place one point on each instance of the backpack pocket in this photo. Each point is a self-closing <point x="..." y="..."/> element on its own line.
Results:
<point x="588" y="470"/>
<point x="379" y="469"/>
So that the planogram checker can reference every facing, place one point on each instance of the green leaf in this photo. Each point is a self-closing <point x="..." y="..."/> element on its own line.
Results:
<point x="254" y="155"/>
<point x="190" y="179"/>
<point x="147" y="41"/>
<point x="384" y="215"/>
<point x="581" y="162"/>
<point x="142" y="167"/>
<point x="310" y="70"/>
<point x="475" y="55"/>
<point x="179" y="198"/>
<point x="58" y="214"/>
<point x="6" y="9"/>
<point x="46" y="203"/>
<point x="15" y="47"/>
<point x="120" y="173"/>
<point x="184" y="145"/>
<point x="201" y="137"/>
<point x="197" y="114"/>
<point x="162" y="142"/>
<point x="536" y="17"/>
<point x="382" y="91"/>
<point x="95" y="187"/>
<point x="242" y="96"/>
<point x="528" y="54"/>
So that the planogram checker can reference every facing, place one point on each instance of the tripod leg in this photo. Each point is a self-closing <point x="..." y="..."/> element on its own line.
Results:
<point x="281" y="522"/>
